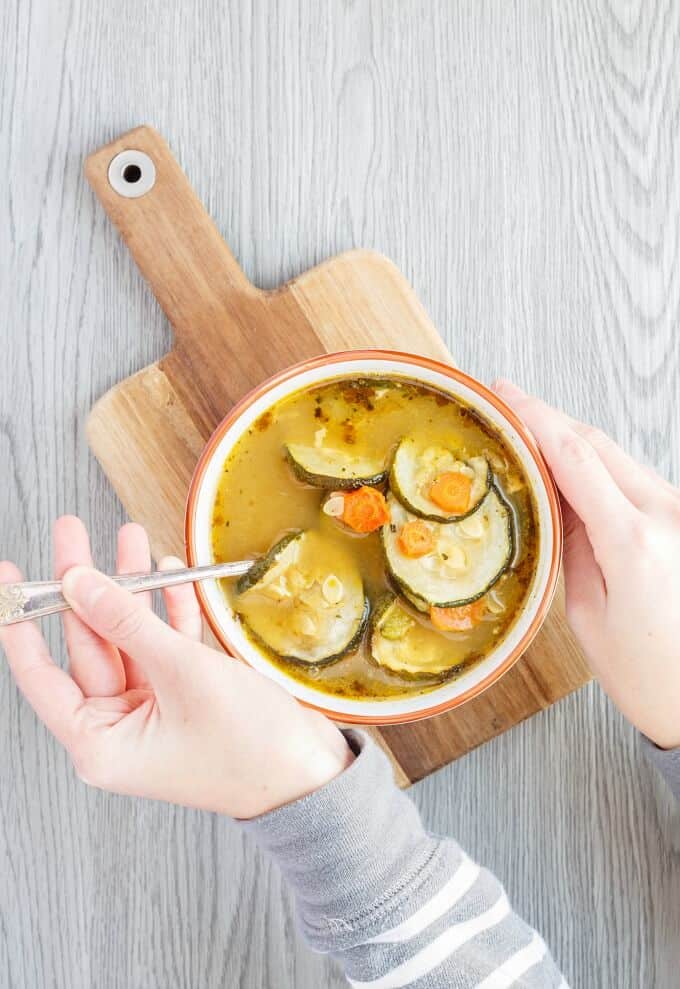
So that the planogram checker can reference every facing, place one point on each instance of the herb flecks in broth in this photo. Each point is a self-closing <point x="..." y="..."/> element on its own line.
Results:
<point x="360" y="422"/>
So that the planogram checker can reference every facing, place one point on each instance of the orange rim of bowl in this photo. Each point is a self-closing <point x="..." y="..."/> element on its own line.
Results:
<point x="326" y="360"/>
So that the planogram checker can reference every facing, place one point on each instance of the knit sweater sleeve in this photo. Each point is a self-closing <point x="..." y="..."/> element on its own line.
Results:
<point x="396" y="906"/>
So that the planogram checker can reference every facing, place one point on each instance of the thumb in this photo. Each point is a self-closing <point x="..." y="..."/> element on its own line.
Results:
<point x="579" y="472"/>
<point x="121" y="618"/>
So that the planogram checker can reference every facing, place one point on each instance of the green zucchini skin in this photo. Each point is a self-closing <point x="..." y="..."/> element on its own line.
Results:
<point x="351" y="646"/>
<point x="333" y="482"/>
<point x="421" y="603"/>
<point x="397" y="490"/>
<point x="380" y="610"/>
<point x="260" y="567"/>
<point x="381" y="606"/>
<point x="418" y="603"/>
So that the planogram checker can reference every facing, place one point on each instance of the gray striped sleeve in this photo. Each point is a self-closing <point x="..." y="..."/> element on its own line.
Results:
<point x="395" y="905"/>
<point x="667" y="761"/>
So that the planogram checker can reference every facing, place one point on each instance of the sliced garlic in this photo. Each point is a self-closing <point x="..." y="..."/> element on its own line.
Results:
<point x="332" y="589"/>
<point x="446" y="545"/>
<point x="334" y="506"/>
<point x="312" y="596"/>
<point x="498" y="462"/>
<point x="279" y="589"/>
<point x="513" y="483"/>
<point x="473" y="526"/>
<point x="299" y="580"/>
<point x="494" y="602"/>
<point x="319" y="437"/>
<point x="456" y="558"/>
<point x="307" y="625"/>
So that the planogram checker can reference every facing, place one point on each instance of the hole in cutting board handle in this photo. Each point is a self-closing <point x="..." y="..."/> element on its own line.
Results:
<point x="132" y="174"/>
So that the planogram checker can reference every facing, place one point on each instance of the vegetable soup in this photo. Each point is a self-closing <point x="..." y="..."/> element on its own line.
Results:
<point x="393" y="531"/>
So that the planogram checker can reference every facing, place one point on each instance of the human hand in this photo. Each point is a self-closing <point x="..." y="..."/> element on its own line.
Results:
<point x="621" y="564"/>
<point x="146" y="709"/>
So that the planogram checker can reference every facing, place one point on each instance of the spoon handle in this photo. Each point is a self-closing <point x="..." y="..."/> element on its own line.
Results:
<point x="33" y="599"/>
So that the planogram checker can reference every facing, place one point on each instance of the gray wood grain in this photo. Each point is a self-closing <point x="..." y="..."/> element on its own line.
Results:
<point x="519" y="161"/>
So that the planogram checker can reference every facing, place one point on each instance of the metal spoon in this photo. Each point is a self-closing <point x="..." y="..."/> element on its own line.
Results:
<point x="33" y="599"/>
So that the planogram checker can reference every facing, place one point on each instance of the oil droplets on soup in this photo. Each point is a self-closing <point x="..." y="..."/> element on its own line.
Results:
<point x="394" y="530"/>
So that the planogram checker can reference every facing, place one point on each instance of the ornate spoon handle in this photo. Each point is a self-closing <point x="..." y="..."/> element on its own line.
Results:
<point x="33" y="599"/>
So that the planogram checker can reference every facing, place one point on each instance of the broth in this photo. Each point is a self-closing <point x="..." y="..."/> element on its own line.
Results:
<point x="259" y="499"/>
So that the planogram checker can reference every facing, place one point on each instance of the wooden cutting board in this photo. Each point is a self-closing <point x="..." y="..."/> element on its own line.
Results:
<point x="148" y="431"/>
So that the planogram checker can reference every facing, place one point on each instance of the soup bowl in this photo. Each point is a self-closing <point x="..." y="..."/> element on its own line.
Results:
<point x="449" y="694"/>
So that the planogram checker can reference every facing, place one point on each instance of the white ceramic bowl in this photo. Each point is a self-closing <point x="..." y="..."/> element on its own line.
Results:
<point x="384" y="363"/>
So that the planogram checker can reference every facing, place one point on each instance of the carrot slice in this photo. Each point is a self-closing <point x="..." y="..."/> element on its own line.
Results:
<point x="415" y="539"/>
<point x="451" y="491"/>
<point x="365" y="510"/>
<point x="460" y="619"/>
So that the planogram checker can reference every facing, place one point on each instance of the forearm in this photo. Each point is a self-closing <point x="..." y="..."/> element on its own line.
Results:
<point x="395" y="905"/>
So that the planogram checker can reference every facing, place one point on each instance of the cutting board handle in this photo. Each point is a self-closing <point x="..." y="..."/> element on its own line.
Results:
<point x="174" y="242"/>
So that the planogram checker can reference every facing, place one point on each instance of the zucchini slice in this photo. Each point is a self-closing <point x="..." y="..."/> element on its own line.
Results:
<point x="467" y="559"/>
<point x="274" y="563"/>
<point x="414" y="469"/>
<point x="403" y="645"/>
<point x="333" y="469"/>
<point x="304" y="600"/>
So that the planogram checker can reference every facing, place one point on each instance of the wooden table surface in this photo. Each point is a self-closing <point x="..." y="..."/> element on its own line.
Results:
<point x="518" y="161"/>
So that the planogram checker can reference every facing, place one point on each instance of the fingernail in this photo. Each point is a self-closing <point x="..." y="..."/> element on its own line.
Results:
<point x="171" y="563"/>
<point x="505" y="387"/>
<point x="82" y="587"/>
